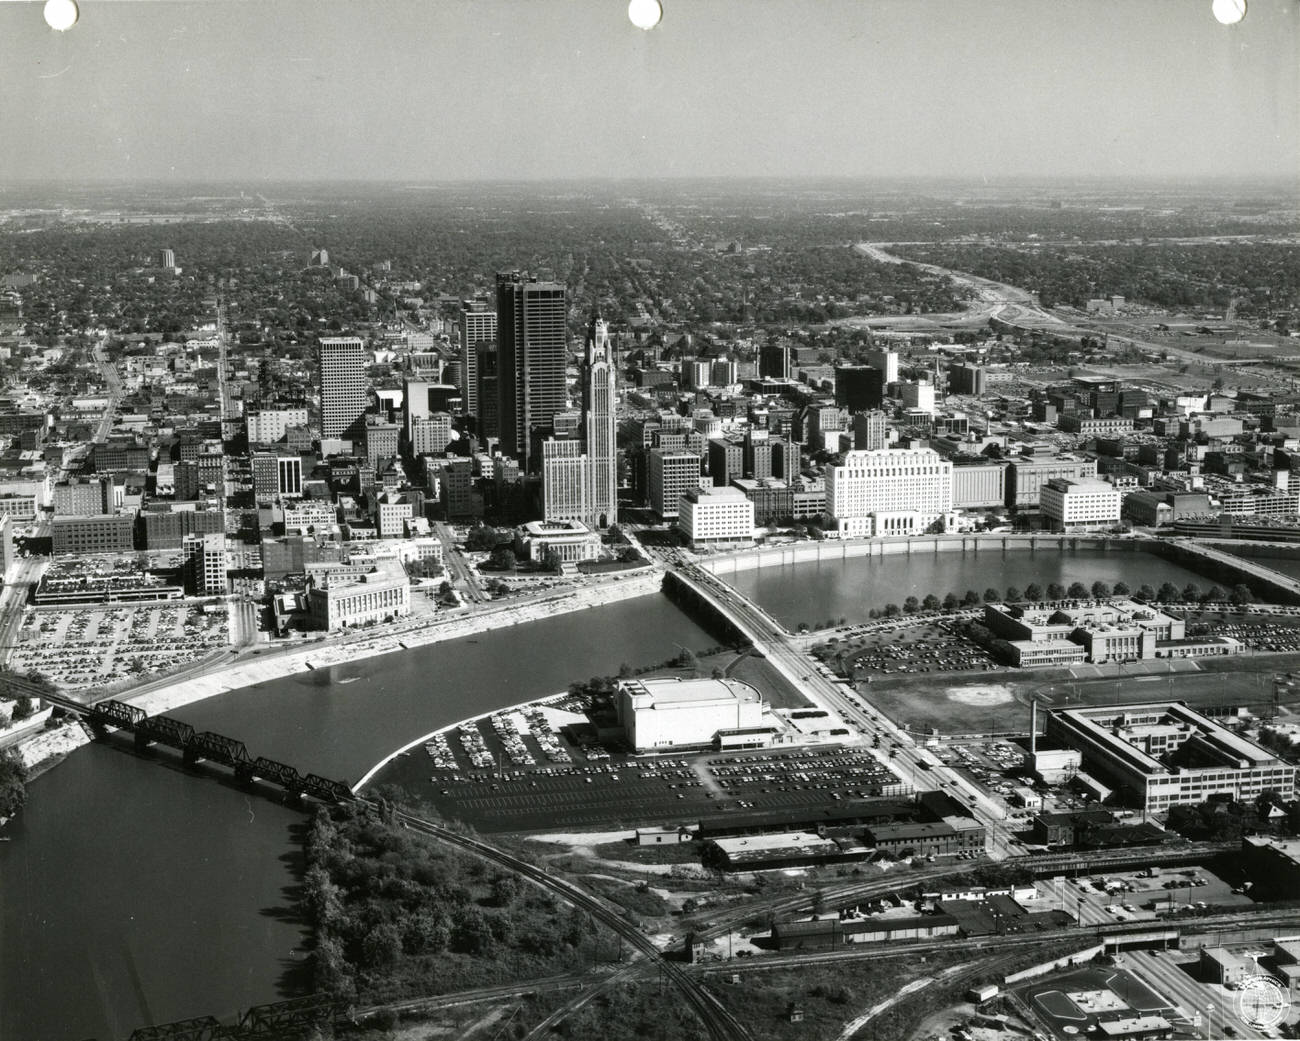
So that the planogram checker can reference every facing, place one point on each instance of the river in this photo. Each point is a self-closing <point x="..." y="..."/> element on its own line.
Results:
<point x="850" y="588"/>
<point x="133" y="894"/>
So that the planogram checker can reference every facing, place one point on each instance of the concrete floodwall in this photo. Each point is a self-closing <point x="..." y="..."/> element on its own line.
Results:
<point x="846" y="549"/>
<point x="1078" y="958"/>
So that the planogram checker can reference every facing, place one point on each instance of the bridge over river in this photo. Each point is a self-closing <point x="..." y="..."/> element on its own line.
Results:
<point x="200" y="746"/>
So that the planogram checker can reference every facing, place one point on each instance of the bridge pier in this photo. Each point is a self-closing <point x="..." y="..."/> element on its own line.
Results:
<point x="142" y="741"/>
<point x="244" y="775"/>
<point x="191" y="757"/>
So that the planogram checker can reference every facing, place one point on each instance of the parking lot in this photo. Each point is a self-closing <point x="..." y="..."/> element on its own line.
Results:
<point x="1124" y="896"/>
<point x="99" y="645"/>
<point x="470" y="774"/>
<point x="915" y="645"/>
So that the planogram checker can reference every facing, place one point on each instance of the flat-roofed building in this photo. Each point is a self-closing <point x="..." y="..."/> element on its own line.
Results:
<point x="340" y="596"/>
<point x="101" y="534"/>
<point x="1026" y="476"/>
<point x="894" y="491"/>
<point x="268" y="425"/>
<point x="716" y="517"/>
<point x="981" y="485"/>
<point x="571" y="540"/>
<point x="658" y="714"/>
<point x="1160" y="755"/>
<point x="1079" y="504"/>
<point x="671" y="475"/>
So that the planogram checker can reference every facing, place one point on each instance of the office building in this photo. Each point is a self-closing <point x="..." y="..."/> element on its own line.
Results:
<point x="785" y="459"/>
<point x="289" y="475"/>
<point x="430" y="435"/>
<point x="167" y="528"/>
<point x="167" y="258"/>
<point x="919" y="397"/>
<point x="1026" y="476"/>
<point x="726" y="460"/>
<point x="716" y="517"/>
<point x="341" y="376"/>
<point x="774" y="361"/>
<point x="381" y="439"/>
<point x="979" y="485"/>
<point x="894" y="491"/>
<point x="1155" y="756"/>
<point x="266" y="426"/>
<point x="886" y="362"/>
<point x="756" y="455"/>
<point x="341" y="595"/>
<point x="84" y="498"/>
<point x="478" y="327"/>
<point x="870" y="431"/>
<point x="859" y="388"/>
<point x="205" y="563"/>
<point x="671" y="474"/>
<point x="967" y="379"/>
<point x="532" y="350"/>
<point x="101" y="534"/>
<point x="1079" y="504"/>
<point x="600" y="425"/>
<point x="565" y="473"/>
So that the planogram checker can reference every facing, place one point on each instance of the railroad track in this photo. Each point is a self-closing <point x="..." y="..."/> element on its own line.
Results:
<point x="720" y="1023"/>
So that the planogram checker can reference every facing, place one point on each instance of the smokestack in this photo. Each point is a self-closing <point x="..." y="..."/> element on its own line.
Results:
<point x="1033" y="726"/>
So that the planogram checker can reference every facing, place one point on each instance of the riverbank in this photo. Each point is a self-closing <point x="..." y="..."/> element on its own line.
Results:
<point x="247" y="673"/>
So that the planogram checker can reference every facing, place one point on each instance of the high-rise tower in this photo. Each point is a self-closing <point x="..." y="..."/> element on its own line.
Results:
<point x="341" y="371"/>
<point x="600" y="424"/>
<point x="532" y="348"/>
<point x="478" y="325"/>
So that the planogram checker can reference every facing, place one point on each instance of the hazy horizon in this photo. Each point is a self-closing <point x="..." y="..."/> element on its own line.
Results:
<point x="454" y="91"/>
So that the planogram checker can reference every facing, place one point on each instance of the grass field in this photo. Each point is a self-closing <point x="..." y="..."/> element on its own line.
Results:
<point x="965" y="703"/>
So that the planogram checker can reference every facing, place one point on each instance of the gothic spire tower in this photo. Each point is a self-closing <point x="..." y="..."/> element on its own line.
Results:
<point x="600" y="424"/>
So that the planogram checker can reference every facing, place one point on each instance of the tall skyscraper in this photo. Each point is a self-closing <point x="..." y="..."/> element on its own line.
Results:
<point x="477" y="325"/>
<point x="565" y="490"/>
<point x="600" y="424"/>
<point x="774" y="361"/>
<point x="341" y="371"/>
<point x="532" y="348"/>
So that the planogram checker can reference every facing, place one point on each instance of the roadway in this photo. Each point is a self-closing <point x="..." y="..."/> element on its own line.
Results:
<point x="451" y="557"/>
<point x="113" y="382"/>
<point x="1190" y="997"/>
<point x="13" y="599"/>
<point x="912" y="764"/>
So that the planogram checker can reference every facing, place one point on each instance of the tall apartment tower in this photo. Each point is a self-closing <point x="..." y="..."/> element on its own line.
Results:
<point x="478" y="325"/>
<point x="600" y="424"/>
<point x="532" y="348"/>
<point x="167" y="258"/>
<point x="341" y="370"/>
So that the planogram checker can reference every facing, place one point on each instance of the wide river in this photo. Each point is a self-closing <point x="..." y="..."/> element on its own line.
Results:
<point x="813" y="593"/>
<point x="133" y="894"/>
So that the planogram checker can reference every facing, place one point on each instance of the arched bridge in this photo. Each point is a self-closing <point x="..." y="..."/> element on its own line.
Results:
<point x="197" y="747"/>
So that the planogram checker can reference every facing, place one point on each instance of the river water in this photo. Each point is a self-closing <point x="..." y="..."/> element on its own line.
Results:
<point x="133" y="894"/>
<point x="814" y="593"/>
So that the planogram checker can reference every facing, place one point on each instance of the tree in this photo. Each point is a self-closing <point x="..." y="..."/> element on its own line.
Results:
<point x="1100" y="590"/>
<point x="1145" y="592"/>
<point x="1014" y="595"/>
<point x="1215" y="595"/>
<point x="503" y="558"/>
<point x="1055" y="591"/>
<point x="1168" y="592"/>
<point x="1077" y="591"/>
<point x="911" y="604"/>
<point x="22" y="708"/>
<point x="950" y="602"/>
<point x="991" y="595"/>
<point x="553" y="562"/>
<point x="931" y="602"/>
<point x="971" y="599"/>
<point x="1033" y="592"/>
<point x="1241" y="595"/>
<point x="1121" y="589"/>
<point x="1191" y="592"/>
<point x="891" y="611"/>
<point x="13" y="783"/>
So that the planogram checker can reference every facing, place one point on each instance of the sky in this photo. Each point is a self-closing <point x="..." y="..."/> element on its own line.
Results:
<point x="434" y="90"/>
